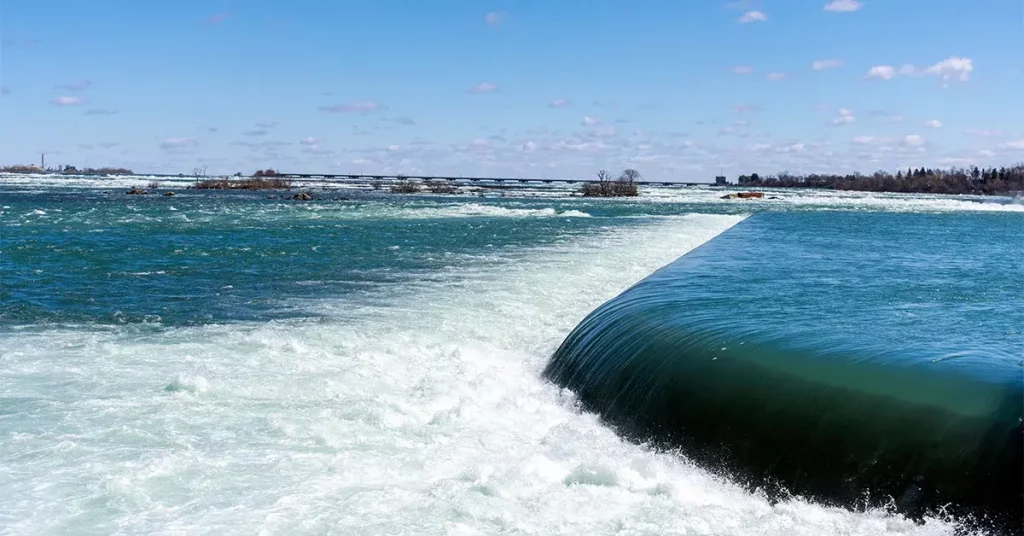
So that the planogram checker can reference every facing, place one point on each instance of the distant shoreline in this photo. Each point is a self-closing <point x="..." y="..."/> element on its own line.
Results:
<point x="1003" y="182"/>
<point x="954" y="181"/>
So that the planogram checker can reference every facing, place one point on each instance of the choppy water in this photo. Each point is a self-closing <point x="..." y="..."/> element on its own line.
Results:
<point x="216" y="363"/>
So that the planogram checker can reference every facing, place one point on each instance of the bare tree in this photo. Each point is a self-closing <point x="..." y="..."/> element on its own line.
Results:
<point x="604" y="183"/>
<point x="199" y="172"/>
<point x="606" y="186"/>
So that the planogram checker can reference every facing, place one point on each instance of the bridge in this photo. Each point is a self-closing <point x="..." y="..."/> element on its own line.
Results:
<point x="350" y="177"/>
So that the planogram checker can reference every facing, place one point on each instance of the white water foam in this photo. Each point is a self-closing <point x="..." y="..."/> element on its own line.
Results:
<point x="49" y="182"/>
<point x="811" y="199"/>
<point x="435" y="210"/>
<point x="425" y="418"/>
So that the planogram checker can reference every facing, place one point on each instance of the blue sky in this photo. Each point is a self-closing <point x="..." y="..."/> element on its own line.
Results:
<point x="677" y="89"/>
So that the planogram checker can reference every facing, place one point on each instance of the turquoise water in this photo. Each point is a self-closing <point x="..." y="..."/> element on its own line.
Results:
<point x="370" y="364"/>
<point x="828" y="353"/>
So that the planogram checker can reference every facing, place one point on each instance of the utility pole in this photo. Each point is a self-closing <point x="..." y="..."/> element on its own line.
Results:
<point x="42" y="161"/>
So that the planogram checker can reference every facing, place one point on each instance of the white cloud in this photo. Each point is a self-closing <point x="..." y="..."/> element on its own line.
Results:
<point x="843" y="5"/>
<point x="257" y="132"/>
<point x="558" y="103"/>
<point x="845" y="117"/>
<point x="575" y="144"/>
<point x="743" y="107"/>
<point x="913" y="140"/>
<point x="354" y="107"/>
<point x="821" y="65"/>
<point x="591" y="121"/>
<point x="484" y="87"/>
<point x="752" y="16"/>
<point x="177" y="143"/>
<point x="1019" y="144"/>
<point x="266" y="145"/>
<point x="742" y="69"/>
<point x="987" y="153"/>
<point x="864" y="140"/>
<point x="529" y="146"/>
<point x="317" y="150"/>
<point x="882" y="72"/>
<point x="494" y="18"/>
<point x="952" y="68"/>
<point x="310" y="140"/>
<point x="68" y="101"/>
<point x="479" y="142"/>
<point x="933" y="123"/>
<point x="100" y="111"/>
<point x="776" y="76"/>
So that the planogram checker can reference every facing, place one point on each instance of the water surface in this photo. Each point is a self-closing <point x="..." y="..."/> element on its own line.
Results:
<point x="225" y="363"/>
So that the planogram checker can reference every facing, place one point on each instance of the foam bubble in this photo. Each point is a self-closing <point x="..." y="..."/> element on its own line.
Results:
<point x="187" y="384"/>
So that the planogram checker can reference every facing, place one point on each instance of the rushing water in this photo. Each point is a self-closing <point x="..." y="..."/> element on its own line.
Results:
<point x="847" y="365"/>
<point x="217" y="363"/>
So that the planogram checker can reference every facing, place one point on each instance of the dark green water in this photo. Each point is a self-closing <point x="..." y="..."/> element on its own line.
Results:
<point x="847" y="356"/>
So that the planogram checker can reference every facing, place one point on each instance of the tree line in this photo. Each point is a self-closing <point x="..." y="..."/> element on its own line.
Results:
<point x="956" y="180"/>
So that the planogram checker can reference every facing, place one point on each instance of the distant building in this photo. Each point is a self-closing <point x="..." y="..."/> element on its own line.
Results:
<point x="721" y="181"/>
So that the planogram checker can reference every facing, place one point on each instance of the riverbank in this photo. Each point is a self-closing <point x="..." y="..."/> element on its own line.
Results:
<point x="974" y="181"/>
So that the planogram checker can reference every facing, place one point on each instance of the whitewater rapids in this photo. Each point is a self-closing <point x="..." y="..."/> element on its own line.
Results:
<point x="425" y="417"/>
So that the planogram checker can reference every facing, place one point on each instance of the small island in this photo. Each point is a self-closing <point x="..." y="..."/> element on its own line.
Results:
<point x="262" y="179"/>
<point x="605" y="186"/>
